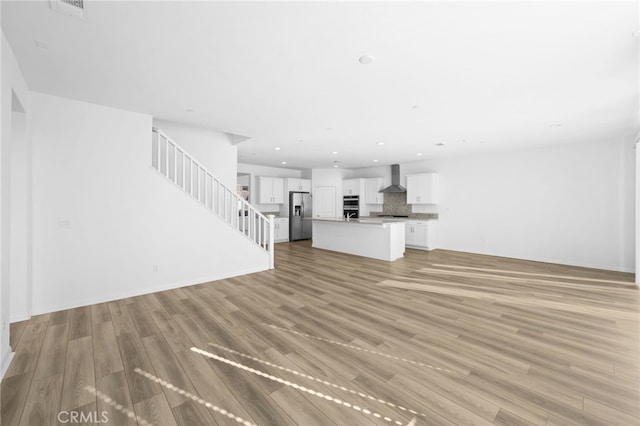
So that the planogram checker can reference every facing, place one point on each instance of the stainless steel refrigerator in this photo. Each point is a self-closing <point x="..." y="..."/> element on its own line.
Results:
<point x="300" y="214"/>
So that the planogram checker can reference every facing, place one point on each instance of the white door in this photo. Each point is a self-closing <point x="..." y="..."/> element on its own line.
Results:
<point x="325" y="201"/>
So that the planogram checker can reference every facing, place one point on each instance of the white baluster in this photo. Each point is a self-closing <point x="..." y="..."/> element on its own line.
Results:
<point x="155" y="151"/>
<point x="177" y="165"/>
<point x="271" y="219"/>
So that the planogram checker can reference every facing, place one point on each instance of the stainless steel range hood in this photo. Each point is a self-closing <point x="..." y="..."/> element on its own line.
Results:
<point x="395" y="181"/>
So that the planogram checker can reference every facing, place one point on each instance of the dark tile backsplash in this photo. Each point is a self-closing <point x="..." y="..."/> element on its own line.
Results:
<point x="396" y="203"/>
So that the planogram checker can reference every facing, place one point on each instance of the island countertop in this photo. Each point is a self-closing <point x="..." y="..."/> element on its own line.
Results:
<point x="382" y="239"/>
<point x="361" y="221"/>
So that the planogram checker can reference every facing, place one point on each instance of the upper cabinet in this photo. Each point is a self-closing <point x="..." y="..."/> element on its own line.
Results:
<point x="352" y="186"/>
<point x="300" y="185"/>
<point x="270" y="190"/>
<point x="372" y="186"/>
<point x="422" y="188"/>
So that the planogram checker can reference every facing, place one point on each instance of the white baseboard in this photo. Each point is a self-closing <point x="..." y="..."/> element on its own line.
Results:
<point x="6" y="360"/>
<point x="23" y="316"/>
<point x="139" y="292"/>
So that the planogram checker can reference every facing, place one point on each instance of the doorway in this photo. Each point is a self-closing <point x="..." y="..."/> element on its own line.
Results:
<point x="20" y="216"/>
<point x="243" y="187"/>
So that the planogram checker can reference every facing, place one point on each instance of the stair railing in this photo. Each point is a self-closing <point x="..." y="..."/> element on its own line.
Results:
<point x="176" y="164"/>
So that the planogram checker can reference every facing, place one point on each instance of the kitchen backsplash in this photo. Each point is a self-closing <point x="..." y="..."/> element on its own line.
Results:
<point x="395" y="203"/>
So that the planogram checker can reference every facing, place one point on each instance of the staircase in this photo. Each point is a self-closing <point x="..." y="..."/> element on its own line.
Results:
<point x="176" y="164"/>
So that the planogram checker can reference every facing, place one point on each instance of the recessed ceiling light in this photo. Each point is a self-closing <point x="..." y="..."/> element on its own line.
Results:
<point x="375" y="161"/>
<point x="277" y="148"/>
<point x="42" y="45"/>
<point x="380" y="143"/>
<point x="334" y="152"/>
<point x="335" y="165"/>
<point x="419" y="154"/>
<point x="366" y="59"/>
<point x="415" y="107"/>
<point x="284" y="162"/>
<point x="329" y="129"/>
<point x="439" y="144"/>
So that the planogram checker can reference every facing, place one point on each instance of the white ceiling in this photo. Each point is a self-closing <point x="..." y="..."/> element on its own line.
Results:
<point x="482" y="75"/>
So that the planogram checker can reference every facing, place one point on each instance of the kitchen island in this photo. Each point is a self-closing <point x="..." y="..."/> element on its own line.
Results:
<point x="376" y="238"/>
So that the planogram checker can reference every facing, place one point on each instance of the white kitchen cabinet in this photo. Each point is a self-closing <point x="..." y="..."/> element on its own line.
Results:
<point x="420" y="234"/>
<point x="352" y="186"/>
<point x="270" y="190"/>
<point x="300" y="185"/>
<point x="372" y="186"/>
<point x="281" y="229"/>
<point x="422" y="188"/>
<point x="305" y="184"/>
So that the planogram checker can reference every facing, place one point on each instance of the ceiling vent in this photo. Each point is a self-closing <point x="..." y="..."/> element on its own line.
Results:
<point x="73" y="8"/>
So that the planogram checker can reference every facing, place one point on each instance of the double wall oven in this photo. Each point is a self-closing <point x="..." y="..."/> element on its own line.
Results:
<point x="351" y="206"/>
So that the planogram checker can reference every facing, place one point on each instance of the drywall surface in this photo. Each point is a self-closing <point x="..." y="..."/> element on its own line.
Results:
<point x="14" y="94"/>
<point x="107" y="225"/>
<point x="210" y="148"/>
<point x="570" y="204"/>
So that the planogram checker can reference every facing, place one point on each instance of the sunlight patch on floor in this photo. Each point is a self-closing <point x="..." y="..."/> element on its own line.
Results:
<point x="512" y="300"/>
<point x="324" y="382"/>
<point x="297" y="386"/>
<point x="193" y="397"/>
<point x="532" y="274"/>
<point x="115" y="404"/>
<point x="358" y="348"/>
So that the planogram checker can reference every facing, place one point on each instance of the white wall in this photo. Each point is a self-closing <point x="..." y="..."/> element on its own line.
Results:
<point x="5" y="348"/>
<point x="210" y="148"/>
<point x="106" y="225"/>
<point x="21" y="217"/>
<point x="637" y="210"/>
<point x="256" y="171"/>
<point x="570" y="204"/>
<point x="627" y="195"/>
<point x="12" y="84"/>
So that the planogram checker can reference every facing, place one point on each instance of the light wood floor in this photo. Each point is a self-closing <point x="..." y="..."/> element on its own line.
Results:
<point x="436" y="338"/>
